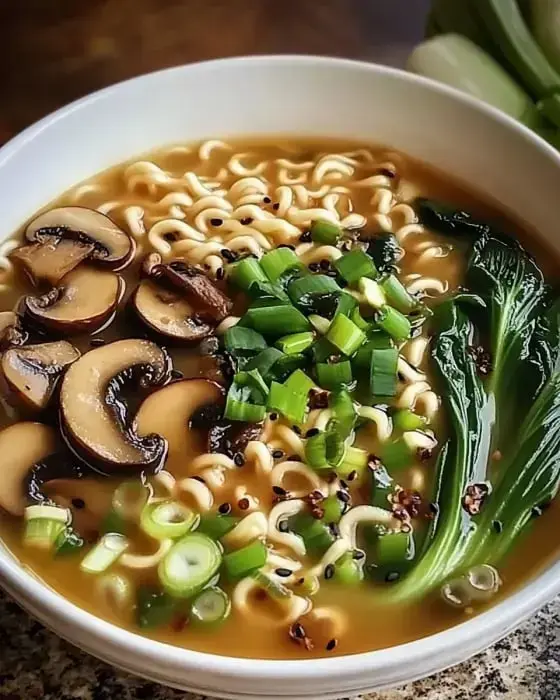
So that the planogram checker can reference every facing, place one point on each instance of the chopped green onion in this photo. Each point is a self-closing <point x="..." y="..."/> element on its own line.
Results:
<point x="348" y="571"/>
<point x="354" y="265"/>
<point x="292" y="405"/>
<point x="238" y="339"/>
<point x="216" y="526"/>
<point x="315" y="534"/>
<point x="325" y="232"/>
<point x="273" y="587"/>
<point x="188" y="566"/>
<point x="243" y="411"/>
<point x="398" y="295"/>
<point x="545" y="23"/>
<point x="397" y="455"/>
<point x="347" y="306"/>
<point x="68" y="542"/>
<point x="105" y="553"/>
<point x="383" y="371"/>
<point x="345" y="335"/>
<point x="287" y="365"/>
<point x="394" y="323"/>
<point x="299" y="382"/>
<point x="167" y="520"/>
<point x="319" y="323"/>
<point x="276" y="320"/>
<point x="242" y="562"/>
<point x="376" y="339"/>
<point x="252" y="378"/>
<point x="211" y="606"/>
<point x="278" y="261"/>
<point x="322" y="349"/>
<point x="324" y="450"/>
<point x="373" y="293"/>
<point x="355" y="461"/>
<point x="332" y="509"/>
<point x="344" y="411"/>
<point x="393" y="549"/>
<point x="405" y="420"/>
<point x="295" y="343"/>
<point x="129" y="499"/>
<point x="382" y="487"/>
<point x="268" y="294"/>
<point x="154" y="608"/>
<point x="246" y="272"/>
<point x="357" y="318"/>
<point x="334" y="375"/>
<point x="304" y="290"/>
<point x="43" y="525"/>
<point x="264" y="361"/>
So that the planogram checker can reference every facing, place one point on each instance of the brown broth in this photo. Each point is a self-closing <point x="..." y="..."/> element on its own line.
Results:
<point x="371" y="624"/>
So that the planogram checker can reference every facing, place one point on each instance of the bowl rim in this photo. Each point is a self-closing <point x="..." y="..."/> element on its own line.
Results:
<point x="494" y="623"/>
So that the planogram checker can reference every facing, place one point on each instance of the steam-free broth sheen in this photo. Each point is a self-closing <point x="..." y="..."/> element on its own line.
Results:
<point x="145" y="495"/>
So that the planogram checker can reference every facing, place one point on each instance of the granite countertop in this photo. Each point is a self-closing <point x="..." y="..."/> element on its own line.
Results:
<point x="84" y="46"/>
<point x="35" y="663"/>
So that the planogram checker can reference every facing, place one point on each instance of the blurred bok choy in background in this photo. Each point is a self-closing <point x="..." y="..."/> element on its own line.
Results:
<point x="505" y="52"/>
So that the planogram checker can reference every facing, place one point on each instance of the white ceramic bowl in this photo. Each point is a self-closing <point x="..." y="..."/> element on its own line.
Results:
<point x="271" y="95"/>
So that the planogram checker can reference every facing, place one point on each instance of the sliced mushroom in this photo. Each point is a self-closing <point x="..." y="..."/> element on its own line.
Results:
<point x="109" y="244"/>
<point x="51" y="260"/>
<point x="168" y="412"/>
<point x="232" y="438"/>
<point x="22" y="446"/>
<point x="168" y="313"/>
<point x="85" y="300"/>
<point x="95" y="417"/>
<point x="11" y="333"/>
<point x="202" y="293"/>
<point x="60" y="464"/>
<point x="32" y="372"/>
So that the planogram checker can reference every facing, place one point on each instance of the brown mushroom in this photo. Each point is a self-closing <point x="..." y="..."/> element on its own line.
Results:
<point x="88" y="499"/>
<point x="85" y="300"/>
<point x="168" y="313"/>
<point x="32" y="372"/>
<point x="73" y="234"/>
<point x="202" y="293"/>
<point x="95" y="418"/>
<point x="11" y="333"/>
<point x="22" y="446"/>
<point x="168" y="412"/>
<point x="51" y="260"/>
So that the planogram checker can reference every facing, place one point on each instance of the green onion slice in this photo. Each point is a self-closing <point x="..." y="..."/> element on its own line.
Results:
<point x="189" y="565"/>
<point x="105" y="553"/>
<point x="243" y="562"/>
<point x="278" y="261"/>
<point x="167" y="520"/>
<point x="354" y="265"/>
<point x="211" y="606"/>
<point x="345" y="335"/>
<point x="44" y="524"/>
<point x="295" y="343"/>
<point x="394" y="323"/>
<point x="325" y="232"/>
<point x="129" y="499"/>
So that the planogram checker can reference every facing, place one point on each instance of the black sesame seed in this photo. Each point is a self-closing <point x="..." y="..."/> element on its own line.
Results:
<point x="387" y="173"/>
<point x="333" y="527"/>
<point x="498" y="526"/>
<point x="243" y="503"/>
<point x="239" y="459"/>
<point x="353" y="474"/>
<point x="267" y="200"/>
<point x="325" y="264"/>
<point x="313" y="267"/>
<point x="343" y="496"/>
<point x="246" y="221"/>
<point x="228" y="255"/>
<point x="392" y="576"/>
<point x="305" y="237"/>
<point x="278" y="454"/>
<point x="297" y="630"/>
<point x="78" y="503"/>
<point x="331" y="644"/>
<point x="283" y="526"/>
<point x="358" y="554"/>
<point x="273" y="416"/>
<point x="329" y="571"/>
<point x="276" y="206"/>
<point x="96" y="342"/>
<point x="296" y="430"/>
<point x="225" y="508"/>
<point x="279" y="491"/>
<point x="176" y="374"/>
<point x="343" y="484"/>
<point x="536" y="512"/>
<point x="216" y="222"/>
<point x="220" y="273"/>
<point x="312" y="432"/>
<point x="283" y="572"/>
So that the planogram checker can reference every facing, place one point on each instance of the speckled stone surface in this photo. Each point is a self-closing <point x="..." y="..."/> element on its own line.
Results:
<point x="34" y="664"/>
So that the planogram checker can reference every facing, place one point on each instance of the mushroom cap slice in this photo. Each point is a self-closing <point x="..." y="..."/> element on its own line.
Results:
<point x="95" y="418"/>
<point x="168" y="412"/>
<point x="168" y="313"/>
<point x="50" y="260"/>
<point x="32" y="372"/>
<point x="111" y="245"/>
<point x="85" y="300"/>
<point x="22" y="446"/>
<point x="11" y="333"/>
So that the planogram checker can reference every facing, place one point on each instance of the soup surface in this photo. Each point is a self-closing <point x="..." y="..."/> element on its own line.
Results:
<point x="262" y="399"/>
